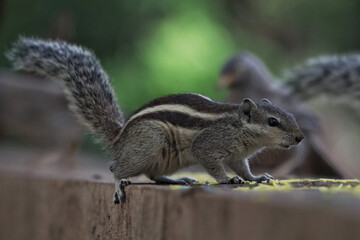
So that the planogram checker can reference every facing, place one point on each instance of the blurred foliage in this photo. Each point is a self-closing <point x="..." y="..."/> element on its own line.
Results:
<point x="153" y="48"/>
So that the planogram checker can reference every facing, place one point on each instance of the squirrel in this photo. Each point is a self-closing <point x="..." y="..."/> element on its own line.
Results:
<point x="246" y="76"/>
<point x="167" y="133"/>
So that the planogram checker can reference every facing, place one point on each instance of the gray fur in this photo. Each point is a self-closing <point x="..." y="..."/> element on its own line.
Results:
<point x="337" y="76"/>
<point x="86" y="84"/>
<point x="238" y="135"/>
<point x="166" y="134"/>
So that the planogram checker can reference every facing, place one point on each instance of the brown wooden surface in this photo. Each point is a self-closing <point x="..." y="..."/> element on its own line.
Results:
<point x="53" y="206"/>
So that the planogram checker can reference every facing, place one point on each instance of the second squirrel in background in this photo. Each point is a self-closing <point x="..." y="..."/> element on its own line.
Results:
<point x="167" y="133"/>
<point x="246" y="76"/>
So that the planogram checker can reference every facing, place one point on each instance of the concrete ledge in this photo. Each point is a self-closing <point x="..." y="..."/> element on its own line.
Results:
<point x="39" y="207"/>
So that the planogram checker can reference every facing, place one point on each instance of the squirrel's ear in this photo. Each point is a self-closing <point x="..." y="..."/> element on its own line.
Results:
<point x="247" y="107"/>
<point x="265" y="100"/>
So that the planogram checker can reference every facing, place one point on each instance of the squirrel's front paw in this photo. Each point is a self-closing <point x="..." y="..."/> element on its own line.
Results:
<point x="266" y="177"/>
<point x="233" y="180"/>
<point x="186" y="180"/>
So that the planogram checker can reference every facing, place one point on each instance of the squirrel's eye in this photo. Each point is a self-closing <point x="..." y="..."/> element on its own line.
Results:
<point x="273" y="122"/>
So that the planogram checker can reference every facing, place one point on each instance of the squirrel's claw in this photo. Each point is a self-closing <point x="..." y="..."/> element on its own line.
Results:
<point x="266" y="177"/>
<point x="116" y="198"/>
<point x="233" y="180"/>
<point x="236" y="180"/>
<point x="169" y="180"/>
<point x="187" y="180"/>
<point x="119" y="194"/>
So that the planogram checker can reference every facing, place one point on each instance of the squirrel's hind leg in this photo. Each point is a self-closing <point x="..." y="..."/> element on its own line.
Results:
<point x="119" y="194"/>
<point x="169" y="180"/>
<point x="138" y="153"/>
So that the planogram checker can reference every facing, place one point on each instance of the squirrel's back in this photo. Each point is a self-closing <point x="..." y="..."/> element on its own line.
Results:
<point x="87" y="86"/>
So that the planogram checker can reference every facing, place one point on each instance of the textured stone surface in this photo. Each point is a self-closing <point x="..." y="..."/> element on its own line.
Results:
<point x="47" y="207"/>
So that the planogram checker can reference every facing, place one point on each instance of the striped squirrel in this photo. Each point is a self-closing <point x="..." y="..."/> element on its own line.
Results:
<point x="167" y="133"/>
<point x="338" y="76"/>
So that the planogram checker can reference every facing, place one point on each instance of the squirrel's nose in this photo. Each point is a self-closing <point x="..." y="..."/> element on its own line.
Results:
<point x="299" y="138"/>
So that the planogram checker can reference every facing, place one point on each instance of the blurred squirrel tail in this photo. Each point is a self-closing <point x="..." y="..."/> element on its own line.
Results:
<point x="333" y="76"/>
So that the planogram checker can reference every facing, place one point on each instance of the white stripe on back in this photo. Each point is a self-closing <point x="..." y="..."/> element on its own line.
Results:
<point x="181" y="109"/>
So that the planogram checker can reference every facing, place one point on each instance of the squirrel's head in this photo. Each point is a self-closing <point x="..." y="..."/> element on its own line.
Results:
<point x="275" y="127"/>
<point x="240" y="70"/>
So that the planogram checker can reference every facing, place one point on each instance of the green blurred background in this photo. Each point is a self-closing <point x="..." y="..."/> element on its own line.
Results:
<point x="152" y="48"/>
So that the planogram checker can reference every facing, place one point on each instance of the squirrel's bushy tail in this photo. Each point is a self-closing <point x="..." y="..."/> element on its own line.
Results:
<point x="334" y="76"/>
<point x="87" y="86"/>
